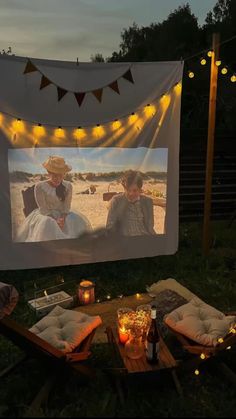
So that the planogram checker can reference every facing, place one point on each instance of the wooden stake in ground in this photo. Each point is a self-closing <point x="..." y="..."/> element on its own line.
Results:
<point x="210" y="144"/>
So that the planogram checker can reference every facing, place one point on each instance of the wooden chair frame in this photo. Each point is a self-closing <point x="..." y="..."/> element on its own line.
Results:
<point x="202" y="353"/>
<point x="57" y="361"/>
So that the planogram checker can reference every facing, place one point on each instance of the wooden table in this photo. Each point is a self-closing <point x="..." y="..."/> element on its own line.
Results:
<point x="126" y="366"/>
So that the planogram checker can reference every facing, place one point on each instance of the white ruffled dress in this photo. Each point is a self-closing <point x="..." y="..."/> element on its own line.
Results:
<point x="41" y="225"/>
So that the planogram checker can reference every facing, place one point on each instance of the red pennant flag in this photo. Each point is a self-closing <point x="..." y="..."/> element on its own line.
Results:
<point x="80" y="97"/>
<point x="128" y="76"/>
<point x="44" y="82"/>
<point x="30" y="67"/>
<point x="60" y="93"/>
<point x="98" y="94"/>
<point x="114" y="86"/>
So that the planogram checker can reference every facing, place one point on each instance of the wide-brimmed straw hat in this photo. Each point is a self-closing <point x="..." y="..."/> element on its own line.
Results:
<point x="56" y="164"/>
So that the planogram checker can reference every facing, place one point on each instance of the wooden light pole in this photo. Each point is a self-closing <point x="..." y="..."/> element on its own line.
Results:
<point x="207" y="234"/>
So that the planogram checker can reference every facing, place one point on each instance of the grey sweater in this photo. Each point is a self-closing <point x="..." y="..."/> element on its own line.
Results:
<point x="118" y="213"/>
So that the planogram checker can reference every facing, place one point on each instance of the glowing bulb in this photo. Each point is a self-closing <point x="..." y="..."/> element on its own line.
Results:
<point x="218" y="63"/>
<point x="220" y="340"/>
<point x="133" y="117"/>
<point x="18" y="125"/>
<point x="79" y="133"/>
<point x="39" y="131"/>
<point x="98" y="301"/>
<point x="224" y="70"/>
<point x="228" y="347"/>
<point x="59" y="132"/>
<point x="138" y="295"/>
<point x="233" y="78"/>
<point x="98" y="131"/>
<point x="210" y="53"/>
<point x="203" y="61"/>
<point x="108" y="297"/>
<point x="232" y="330"/>
<point x="149" y="110"/>
<point x="191" y="74"/>
<point x="116" y="124"/>
<point x="202" y="356"/>
<point x="196" y="372"/>
<point x="178" y="87"/>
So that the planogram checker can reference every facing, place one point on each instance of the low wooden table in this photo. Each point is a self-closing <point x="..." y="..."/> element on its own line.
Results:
<point x="128" y="366"/>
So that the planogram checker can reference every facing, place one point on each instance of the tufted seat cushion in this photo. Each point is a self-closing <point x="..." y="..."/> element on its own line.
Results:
<point x="65" y="329"/>
<point x="200" y="322"/>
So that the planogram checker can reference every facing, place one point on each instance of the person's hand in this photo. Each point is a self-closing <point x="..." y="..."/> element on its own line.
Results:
<point x="61" y="221"/>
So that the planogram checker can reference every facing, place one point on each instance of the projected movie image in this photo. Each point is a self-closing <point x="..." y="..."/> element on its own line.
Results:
<point x="66" y="193"/>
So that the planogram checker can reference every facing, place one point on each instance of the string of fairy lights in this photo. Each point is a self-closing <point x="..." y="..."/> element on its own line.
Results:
<point x="138" y="117"/>
<point x="225" y="70"/>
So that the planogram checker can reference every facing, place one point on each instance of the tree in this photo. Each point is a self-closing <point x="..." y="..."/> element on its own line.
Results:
<point x="97" y="58"/>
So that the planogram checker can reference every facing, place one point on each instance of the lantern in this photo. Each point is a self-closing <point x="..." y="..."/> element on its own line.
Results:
<point x="86" y="292"/>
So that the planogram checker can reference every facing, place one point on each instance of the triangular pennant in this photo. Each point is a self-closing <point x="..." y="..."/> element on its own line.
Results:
<point x="98" y="94"/>
<point x="44" y="82"/>
<point x="60" y="93"/>
<point x="80" y="97"/>
<point x="30" y="67"/>
<point x="114" y="86"/>
<point x="128" y="76"/>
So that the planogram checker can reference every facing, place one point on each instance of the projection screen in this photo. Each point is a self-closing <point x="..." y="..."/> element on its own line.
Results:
<point x="89" y="161"/>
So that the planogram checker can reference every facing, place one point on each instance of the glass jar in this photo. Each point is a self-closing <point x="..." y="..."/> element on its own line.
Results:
<point x="134" y="347"/>
<point x="143" y="313"/>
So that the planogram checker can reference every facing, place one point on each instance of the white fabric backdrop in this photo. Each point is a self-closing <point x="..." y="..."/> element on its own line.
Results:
<point x="21" y="98"/>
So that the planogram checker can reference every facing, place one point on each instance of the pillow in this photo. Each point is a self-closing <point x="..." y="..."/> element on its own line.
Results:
<point x="8" y="299"/>
<point x="65" y="329"/>
<point x="200" y="322"/>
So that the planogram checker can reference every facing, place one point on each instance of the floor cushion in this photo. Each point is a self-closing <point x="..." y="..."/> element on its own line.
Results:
<point x="65" y="329"/>
<point x="200" y="322"/>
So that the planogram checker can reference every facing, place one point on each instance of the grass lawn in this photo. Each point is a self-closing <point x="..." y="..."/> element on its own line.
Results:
<point x="207" y="395"/>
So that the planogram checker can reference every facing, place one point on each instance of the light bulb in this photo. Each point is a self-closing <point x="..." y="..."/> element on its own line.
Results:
<point x="203" y="61"/>
<point x="233" y="78"/>
<point x="209" y="53"/>
<point x="191" y="74"/>
<point x="224" y="70"/>
<point x="218" y="63"/>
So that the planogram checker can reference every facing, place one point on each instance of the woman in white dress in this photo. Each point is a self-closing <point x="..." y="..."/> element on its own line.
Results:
<point x="53" y="218"/>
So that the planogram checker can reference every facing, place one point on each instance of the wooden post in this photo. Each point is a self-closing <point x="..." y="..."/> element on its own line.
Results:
<point x="207" y="236"/>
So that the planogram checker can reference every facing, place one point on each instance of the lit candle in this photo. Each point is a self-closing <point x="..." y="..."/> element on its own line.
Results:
<point x="123" y="335"/>
<point x="86" y="297"/>
<point x="86" y="293"/>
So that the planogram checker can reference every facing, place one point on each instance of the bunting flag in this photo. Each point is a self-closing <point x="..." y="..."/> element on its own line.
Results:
<point x="60" y="93"/>
<point x="80" y="97"/>
<point x="30" y="67"/>
<point x="114" y="86"/>
<point x="44" y="82"/>
<point x="98" y="94"/>
<point x="128" y="76"/>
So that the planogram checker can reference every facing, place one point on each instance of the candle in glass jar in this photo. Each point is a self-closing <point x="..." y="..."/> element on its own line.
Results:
<point x="123" y="335"/>
<point x="86" y="297"/>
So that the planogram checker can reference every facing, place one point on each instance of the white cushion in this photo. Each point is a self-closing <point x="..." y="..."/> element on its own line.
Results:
<point x="200" y="322"/>
<point x="65" y="329"/>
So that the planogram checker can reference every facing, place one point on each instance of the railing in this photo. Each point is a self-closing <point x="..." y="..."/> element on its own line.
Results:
<point x="193" y="148"/>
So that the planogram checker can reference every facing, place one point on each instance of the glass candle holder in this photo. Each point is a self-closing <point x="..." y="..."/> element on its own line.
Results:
<point x="86" y="293"/>
<point x="125" y="316"/>
<point x="134" y="347"/>
<point x="143" y="313"/>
